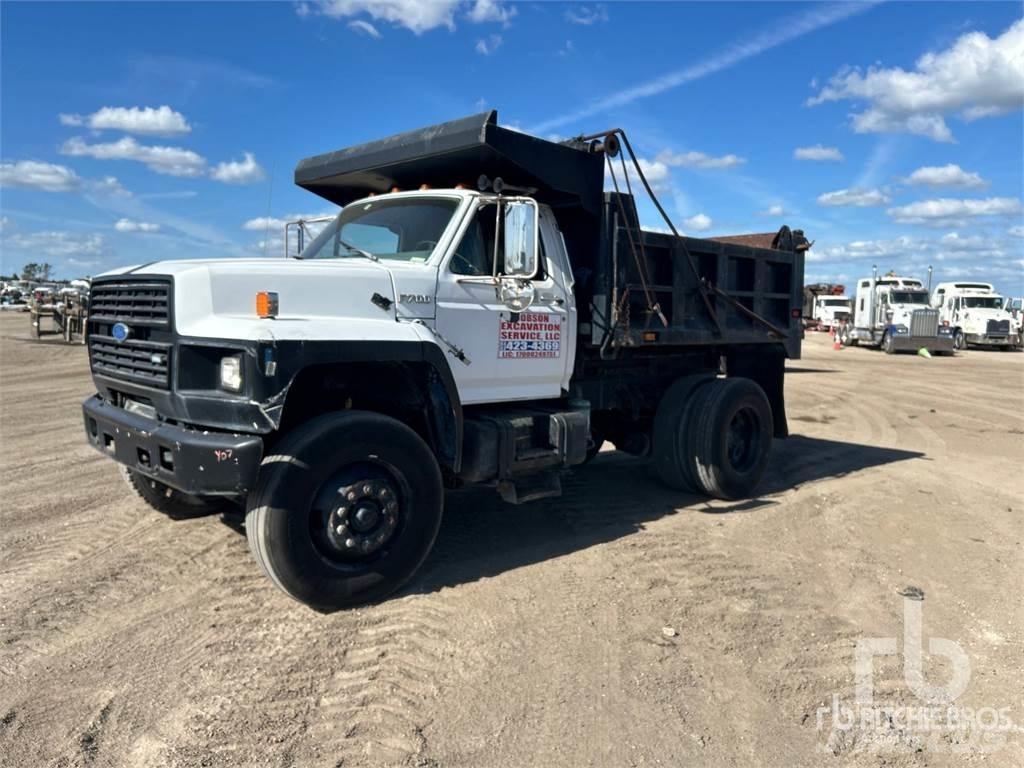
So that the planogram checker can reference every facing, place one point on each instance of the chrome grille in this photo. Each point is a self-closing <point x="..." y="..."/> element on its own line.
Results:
<point x="134" y="302"/>
<point x="144" y="362"/>
<point x="924" y="322"/>
<point x="998" y="328"/>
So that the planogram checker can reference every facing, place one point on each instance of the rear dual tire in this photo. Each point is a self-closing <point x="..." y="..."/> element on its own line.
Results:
<point x="713" y="436"/>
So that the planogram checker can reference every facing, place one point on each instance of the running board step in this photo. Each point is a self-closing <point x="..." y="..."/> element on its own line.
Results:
<point x="521" y="490"/>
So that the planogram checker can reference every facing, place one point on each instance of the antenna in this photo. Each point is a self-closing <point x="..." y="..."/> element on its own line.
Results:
<point x="270" y="199"/>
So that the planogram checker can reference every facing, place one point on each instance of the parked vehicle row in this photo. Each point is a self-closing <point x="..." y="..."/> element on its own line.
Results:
<point x="896" y="313"/>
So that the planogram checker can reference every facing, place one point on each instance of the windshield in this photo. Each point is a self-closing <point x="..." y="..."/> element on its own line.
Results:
<point x="909" y="297"/>
<point x="401" y="230"/>
<point x="983" y="302"/>
<point x="837" y="302"/>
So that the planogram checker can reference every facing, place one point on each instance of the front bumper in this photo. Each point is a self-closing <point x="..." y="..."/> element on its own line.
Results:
<point x="1002" y="340"/>
<point x="905" y="342"/>
<point x="194" y="462"/>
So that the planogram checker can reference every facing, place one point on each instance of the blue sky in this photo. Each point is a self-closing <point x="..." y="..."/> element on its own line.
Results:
<point x="891" y="133"/>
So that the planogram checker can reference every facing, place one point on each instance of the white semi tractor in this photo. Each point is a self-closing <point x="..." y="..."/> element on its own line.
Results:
<point x="893" y="313"/>
<point x="976" y="314"/>
<point x="480" y="312"/>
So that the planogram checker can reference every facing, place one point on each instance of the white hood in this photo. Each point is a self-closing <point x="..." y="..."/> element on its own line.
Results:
<point x="330" y="299"/>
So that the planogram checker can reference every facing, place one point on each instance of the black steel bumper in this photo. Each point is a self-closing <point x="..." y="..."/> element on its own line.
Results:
<point x="201" y="463"/>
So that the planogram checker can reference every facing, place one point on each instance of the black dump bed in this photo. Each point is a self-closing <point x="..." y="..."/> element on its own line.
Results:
<point x="637" y="289"/>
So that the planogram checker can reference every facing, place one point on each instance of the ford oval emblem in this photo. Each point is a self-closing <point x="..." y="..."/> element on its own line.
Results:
<point x="120" y="332"/>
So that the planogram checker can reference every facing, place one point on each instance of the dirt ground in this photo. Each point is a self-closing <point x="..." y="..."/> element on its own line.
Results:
<point x="622" y="625"/>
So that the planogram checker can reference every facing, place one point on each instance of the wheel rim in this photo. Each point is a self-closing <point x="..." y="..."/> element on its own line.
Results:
<point x="744" y="440"/>
<point x="357" y="513"/>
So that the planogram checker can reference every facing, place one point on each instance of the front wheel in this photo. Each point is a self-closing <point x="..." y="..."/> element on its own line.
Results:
<point x="959" y="340"/>
<point x="345" y="510"/>
<point x="888" y="345"/>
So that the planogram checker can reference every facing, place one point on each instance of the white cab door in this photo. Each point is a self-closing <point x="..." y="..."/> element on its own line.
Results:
<point x="512" y="356"/>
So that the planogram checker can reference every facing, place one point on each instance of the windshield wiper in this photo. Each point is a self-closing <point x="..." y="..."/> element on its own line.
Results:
<point x="353" y="249"/>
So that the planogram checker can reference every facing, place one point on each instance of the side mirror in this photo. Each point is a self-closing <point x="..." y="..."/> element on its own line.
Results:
<point x="519" y="238"/>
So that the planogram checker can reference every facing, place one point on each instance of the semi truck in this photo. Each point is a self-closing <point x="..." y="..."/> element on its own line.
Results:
<point x="893" y="313"/>
<point x="481" y="312"/>
<point x="976" y="314"/>
<point x="826" y="306"/>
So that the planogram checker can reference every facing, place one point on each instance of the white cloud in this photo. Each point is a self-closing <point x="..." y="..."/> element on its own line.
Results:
<point x="698" y="223"/>
<point x="1016" y="231"/>
<point x="945" y="176"/>
<point x="490" y="10"/>
<point x="786" y="31"/>
<point x="487" y="46"/>
<point x="860" y="198"/>
<point x="5" y="224"/>
<point x="172" y="161"/>
<point x="128" y="225"/>
<point x="587" y="15"/>
<point x="946" y="211"/>
<point x="57" y="243"/>
<point x="775" y="210"/>
<point x="29" y="174"/>
<point x="160" y="121"/>
<point x="976" y="77"/>
<point x="246" y="171"/>
<point x="364" y="28"/>
<point x="417" y="16"/>
<point x="110" y="186"/>
<point x="699" y="160"/>
<point x="958" y="243"/>
<point x="818" y="152"/>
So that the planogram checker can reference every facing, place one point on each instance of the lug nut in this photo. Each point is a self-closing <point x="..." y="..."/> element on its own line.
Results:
<point x="341" y="530"/>
<point x="350" y="543"/>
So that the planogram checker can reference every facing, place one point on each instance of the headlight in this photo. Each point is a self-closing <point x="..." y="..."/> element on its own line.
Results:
<point x="231" y="373"/>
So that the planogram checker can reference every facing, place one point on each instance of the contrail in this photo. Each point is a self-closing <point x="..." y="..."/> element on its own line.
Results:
<point x="787" y="31"/>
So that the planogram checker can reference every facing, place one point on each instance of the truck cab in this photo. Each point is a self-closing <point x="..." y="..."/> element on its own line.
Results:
<point x="831" y="311"/>
<point x="976" y="314"/>
<point x="893" y="313"/>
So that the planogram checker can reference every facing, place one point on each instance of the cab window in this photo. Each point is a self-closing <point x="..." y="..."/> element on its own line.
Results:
<point x="474" y="255"/>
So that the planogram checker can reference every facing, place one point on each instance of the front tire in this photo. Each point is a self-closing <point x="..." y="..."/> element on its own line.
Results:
<point x="345" y="510"/>
<point x="888" y="346"/>
<point x="167" y="500"/>
<point x="959" y="340"/>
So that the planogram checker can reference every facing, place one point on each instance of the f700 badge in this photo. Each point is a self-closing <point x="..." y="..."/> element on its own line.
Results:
<point x="414" y="298"/>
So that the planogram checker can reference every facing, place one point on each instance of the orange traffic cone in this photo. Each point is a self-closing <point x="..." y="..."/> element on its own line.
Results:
<point x="835" y="343"/>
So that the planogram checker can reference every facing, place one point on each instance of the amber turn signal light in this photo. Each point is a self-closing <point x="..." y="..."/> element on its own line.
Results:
<point x="266" y="304"/>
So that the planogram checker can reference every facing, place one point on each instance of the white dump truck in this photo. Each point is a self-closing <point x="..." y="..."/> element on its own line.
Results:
<point x="976" y="314"/>
<point x="826" y="306"/>
<point x="492" y="324"/>
<point x="893" y="313"/>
